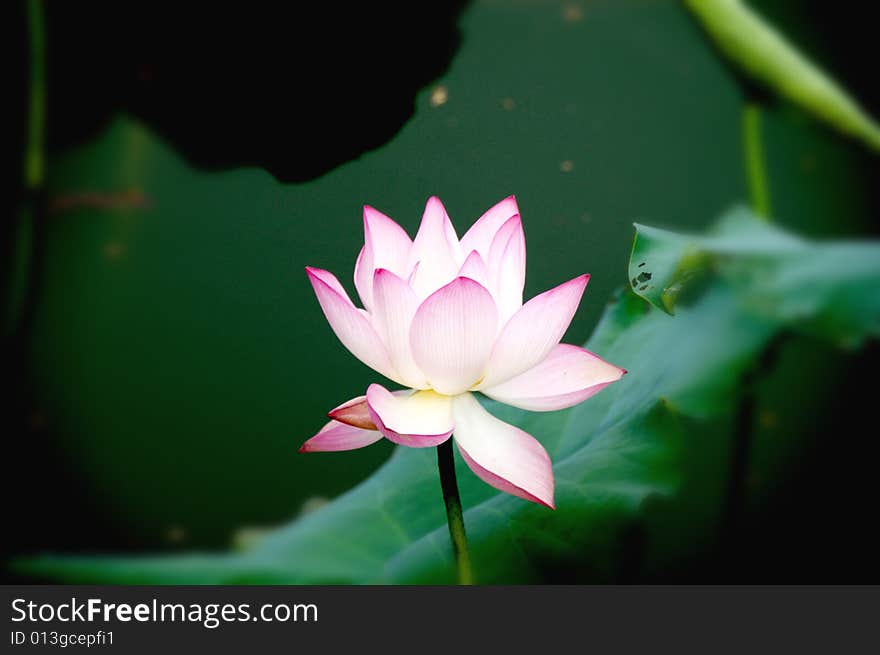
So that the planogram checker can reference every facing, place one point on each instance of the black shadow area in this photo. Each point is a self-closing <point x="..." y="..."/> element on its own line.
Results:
<point x="295" y="88"/>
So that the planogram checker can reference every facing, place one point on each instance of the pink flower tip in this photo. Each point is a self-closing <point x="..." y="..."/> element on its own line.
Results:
<point x="549" y="504"/>
<point x="353" y="414"/>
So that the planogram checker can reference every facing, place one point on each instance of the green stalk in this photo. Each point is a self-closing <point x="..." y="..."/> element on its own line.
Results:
<point x="753" y="153"/>
<point x="23" y="231"/>
<point x="454" y="516"/>
<point x="744" y="436"/>
<point x="34" y="154"/>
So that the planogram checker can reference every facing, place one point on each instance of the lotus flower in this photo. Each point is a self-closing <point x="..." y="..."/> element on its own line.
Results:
<point x="444" y="318"/>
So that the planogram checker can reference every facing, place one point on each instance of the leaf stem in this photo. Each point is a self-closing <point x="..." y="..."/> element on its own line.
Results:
<point x="736" y="496"/>
<point x="454" y="516"/>
<point x="25" y="231"/>
<point x="34" y="156"/>
<point x="753" y="153"/>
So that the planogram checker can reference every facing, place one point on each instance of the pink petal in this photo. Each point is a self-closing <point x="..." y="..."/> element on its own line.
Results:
<point x="354" y="413"/>
<point x="419" y="420"/>
<point x="511" y="229"/>
<point x="531" y="333"/>
<point x="502" y="455"/>
<point x="435" y="249"/>
<point x="338" y="436"/>
<point x="475" y="268"/>
<point x="567" y="376"/>
<point x="363" y="276"/>
<point x="386" y="245"/>
<point x="480" y="236"/>
<point x="330" y="280"/>
<point x="350" y="324"/>
<point x="507" y="267"/>
<point x="394" y="306"/>
<point x="412" y="274"/>
<point x="452" y="335"/>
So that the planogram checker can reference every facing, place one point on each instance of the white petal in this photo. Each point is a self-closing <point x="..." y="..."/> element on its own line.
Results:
<point x="530" y="334"/>
<point x="480" y="236"/>
<point x="419" y="420"/>
<point x="394" y="306"/>
<point x="452" y="335"/>
<point x="330" y="280"/>
<point x="386" y="245"/>
<point x="500" y="454"/>
<point x="475" y="268"/>
<point x="436" y="250"/>
<point x="338" y="436"/>
<point x="507" y="267"/>
<point x="363" y="276"/>
<point x="567" y="376"/>
<point x="351" y="325"/>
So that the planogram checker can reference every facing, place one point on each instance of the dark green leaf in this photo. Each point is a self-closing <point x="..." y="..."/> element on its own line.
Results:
<point x="829" y="288"/>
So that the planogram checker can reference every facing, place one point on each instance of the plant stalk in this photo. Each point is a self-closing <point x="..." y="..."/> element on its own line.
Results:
<point x="21" y="249"/>
<point x="34" y="165"/>
<point x="454" y="516"/>
<point x="753" y="153"/>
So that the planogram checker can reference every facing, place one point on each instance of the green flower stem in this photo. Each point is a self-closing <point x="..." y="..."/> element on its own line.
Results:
<point x="753" y="152"/>
<point x="454" y="516"/>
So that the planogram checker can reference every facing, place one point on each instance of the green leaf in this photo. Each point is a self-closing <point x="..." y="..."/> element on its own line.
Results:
<point x="762" y="53"/>
<point x="826" y="288"/>
<point x="611" y="454"/>
<point x="661" y="263"/>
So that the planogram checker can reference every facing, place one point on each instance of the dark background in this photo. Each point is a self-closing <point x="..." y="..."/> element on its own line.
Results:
<point x="299" y="91"/>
